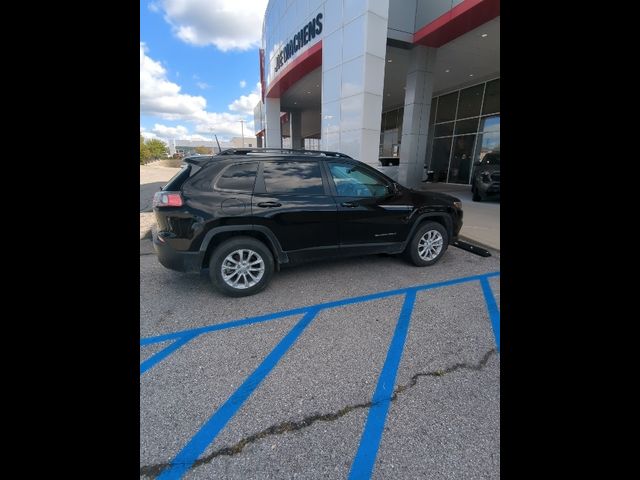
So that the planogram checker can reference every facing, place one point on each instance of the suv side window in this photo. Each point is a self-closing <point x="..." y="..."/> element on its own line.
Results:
<point x="354" y="181"/>
<point x="295" y="178"/>
<point x="237" y="178"/>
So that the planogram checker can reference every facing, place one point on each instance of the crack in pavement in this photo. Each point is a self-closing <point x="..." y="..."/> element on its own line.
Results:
<point x="292" y="426"/>
<point x="440" y="373"/>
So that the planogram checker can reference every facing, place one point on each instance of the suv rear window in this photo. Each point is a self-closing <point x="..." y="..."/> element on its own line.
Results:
<point x="296" y="178"/>
<point x="178" y="179"/>
<point x="238" y="178"/>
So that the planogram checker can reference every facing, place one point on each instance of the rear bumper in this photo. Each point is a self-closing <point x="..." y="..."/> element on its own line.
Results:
<point x="175" y="259"/>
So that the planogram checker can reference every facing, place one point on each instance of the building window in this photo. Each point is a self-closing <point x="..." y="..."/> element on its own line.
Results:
<point x="488" y="138"/>
<point x="447" y="105"/>
<point x="391" y="133"/>
<point x="465" y="126"/>
<point x="470" y="102"/>
<point x="312" y="144"/>
<point x="491" y="98"/>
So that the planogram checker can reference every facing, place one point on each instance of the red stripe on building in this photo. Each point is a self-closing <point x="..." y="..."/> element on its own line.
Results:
<point x="461" y="19"/>
<point x="306" y="63"/>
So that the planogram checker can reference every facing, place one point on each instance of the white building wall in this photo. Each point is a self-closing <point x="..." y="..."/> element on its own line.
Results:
<point x="353" y="62"/>
<point x="402" y="19"/>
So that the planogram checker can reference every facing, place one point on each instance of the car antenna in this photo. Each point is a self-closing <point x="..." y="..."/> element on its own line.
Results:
<point x="219" y="149"/>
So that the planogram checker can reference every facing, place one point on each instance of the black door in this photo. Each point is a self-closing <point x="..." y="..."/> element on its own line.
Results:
<point x="372" y="215"/>
<point x="292" y="199"/>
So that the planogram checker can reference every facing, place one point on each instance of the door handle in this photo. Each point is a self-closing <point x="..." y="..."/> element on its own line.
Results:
<point x="269" y="204"/>
<point x="349" y="204"/>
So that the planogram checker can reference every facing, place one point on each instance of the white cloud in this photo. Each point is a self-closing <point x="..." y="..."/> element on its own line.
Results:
<point x="224" y="125"/>
<point x="163" y="99"/>
<point x="243" y="83"/>
<point x="153" y="7"/>
<point x="147" y="135"/>
<point x="202" y="85"/>
<point x="170" y="132"/>
<point x="166" y="133"/>
<point x="246" y="103"/>
<point x="226" y="24"/>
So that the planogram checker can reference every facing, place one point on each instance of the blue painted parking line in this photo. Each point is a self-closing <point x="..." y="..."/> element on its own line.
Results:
<point x="492" y="308"/>
<point x="209" y="431"/>
<point x="364" y="461"/>
<point x="164" y="353"/>
<point x="192" y="333"/>
<point x="362" y="466"/>
<point x="222" y="326"/>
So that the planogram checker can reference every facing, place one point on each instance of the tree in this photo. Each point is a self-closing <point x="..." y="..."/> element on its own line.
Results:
<point x="157" y="148"/>
<point x="144" y="151"/>
<point x="204" y="150"/>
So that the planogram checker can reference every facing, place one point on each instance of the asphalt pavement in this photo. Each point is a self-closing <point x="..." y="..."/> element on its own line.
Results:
<point x="319" y="380"/>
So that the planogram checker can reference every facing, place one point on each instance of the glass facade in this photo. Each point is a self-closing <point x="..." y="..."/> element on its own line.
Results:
<point x="391" y="133"/>
<point x="464" y="126"/>
<point x="311" y="143"/>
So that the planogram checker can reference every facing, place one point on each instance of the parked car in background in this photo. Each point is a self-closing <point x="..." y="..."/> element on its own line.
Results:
<point x="486" y="177"/>
<point x="244" y="212"/>
<point x="387" y="161"/>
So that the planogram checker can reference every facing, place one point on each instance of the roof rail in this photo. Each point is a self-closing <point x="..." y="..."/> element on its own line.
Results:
<point x="285" y="151"/>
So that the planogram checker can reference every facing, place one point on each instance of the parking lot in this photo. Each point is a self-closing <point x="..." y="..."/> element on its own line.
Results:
<point x="359" y="368"/>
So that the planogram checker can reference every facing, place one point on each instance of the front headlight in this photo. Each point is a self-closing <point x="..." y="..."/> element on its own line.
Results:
<point x="457" y="205"/>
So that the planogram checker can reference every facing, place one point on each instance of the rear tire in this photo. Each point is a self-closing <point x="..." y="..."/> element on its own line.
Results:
<point x="241" y="266"/>
<point x="427" y="245"/>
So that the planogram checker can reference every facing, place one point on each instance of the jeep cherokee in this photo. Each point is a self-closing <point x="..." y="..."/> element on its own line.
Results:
<point x="244" y="212"/>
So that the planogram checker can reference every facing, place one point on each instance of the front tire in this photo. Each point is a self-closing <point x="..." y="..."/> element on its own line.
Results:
<point x="427" y="245"/>
<point x="241" y="266"/>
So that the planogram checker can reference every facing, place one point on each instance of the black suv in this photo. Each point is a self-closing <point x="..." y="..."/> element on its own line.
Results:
<point x="486" y="177"/>
<point x="244" y="212"/>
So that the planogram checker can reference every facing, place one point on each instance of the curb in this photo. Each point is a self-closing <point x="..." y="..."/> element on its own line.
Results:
<point x="479" y="244"/>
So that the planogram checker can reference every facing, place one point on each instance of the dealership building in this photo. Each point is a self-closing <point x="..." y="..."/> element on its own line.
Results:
<point x="414" y="79"/>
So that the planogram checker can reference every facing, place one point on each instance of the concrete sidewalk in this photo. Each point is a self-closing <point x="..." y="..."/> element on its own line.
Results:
<point x="481" y="221"/>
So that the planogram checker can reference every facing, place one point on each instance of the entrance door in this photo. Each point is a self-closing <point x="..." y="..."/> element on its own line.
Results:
<point x="460" y="168"/>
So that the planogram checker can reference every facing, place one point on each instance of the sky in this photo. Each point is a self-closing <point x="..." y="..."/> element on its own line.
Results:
<point x="199" y="68"/>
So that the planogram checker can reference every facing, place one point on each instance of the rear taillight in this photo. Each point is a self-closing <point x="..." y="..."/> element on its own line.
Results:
<point x="167" y="199"/>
